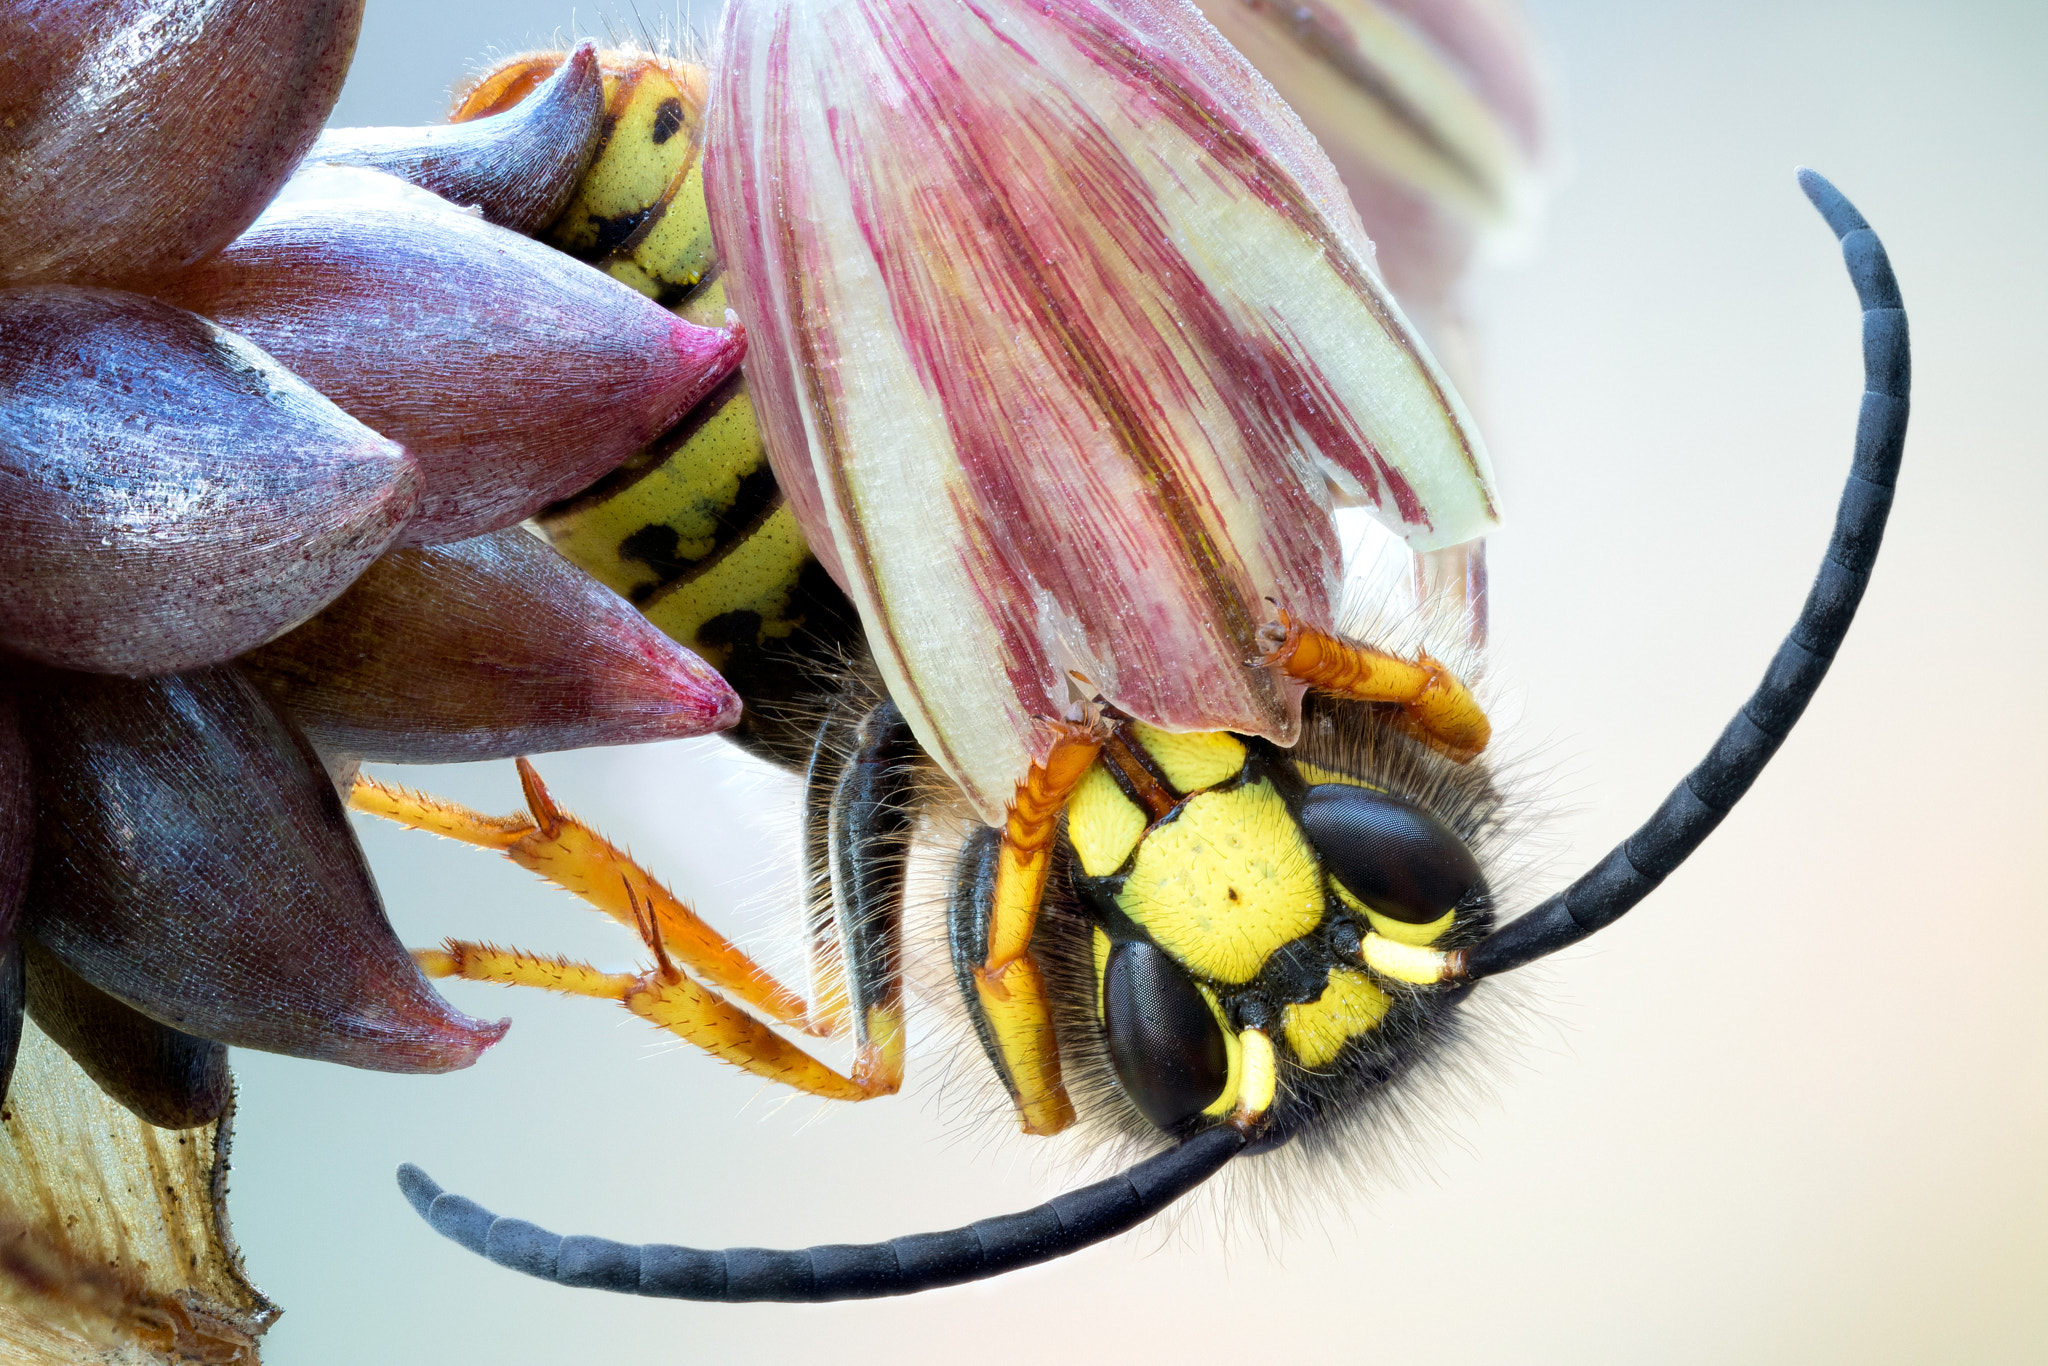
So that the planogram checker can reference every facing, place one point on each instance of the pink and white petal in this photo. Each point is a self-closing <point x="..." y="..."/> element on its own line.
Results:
<point x="1066" y="328"/>
<point x="1432" y="111"/>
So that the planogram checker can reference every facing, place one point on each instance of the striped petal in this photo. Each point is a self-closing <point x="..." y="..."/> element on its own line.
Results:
<point x="1063" y="330"/>
<point x="1433" y="111"/>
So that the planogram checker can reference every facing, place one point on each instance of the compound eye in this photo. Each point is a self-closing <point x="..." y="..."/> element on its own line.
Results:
<point x="1389" y="853"/>
<point x="1164" y="1040"/>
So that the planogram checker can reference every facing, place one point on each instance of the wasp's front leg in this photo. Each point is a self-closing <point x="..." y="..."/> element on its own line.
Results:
<point x="866" y="847"/>
<point x="999" y="891"/>
<point x="1433" y="699"/>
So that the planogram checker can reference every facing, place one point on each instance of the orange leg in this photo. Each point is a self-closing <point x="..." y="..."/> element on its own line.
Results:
<point x="577" y="859"/>
<point x="570" y="854"/>
<point x="662" y="996"/>
<point x="1009" y="985"/>
<point x="1028" y="838"/>
<point x="1431" y="696"/>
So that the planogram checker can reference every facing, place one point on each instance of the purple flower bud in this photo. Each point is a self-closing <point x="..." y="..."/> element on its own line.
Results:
<point x="518" y="167"/>
<point x="120" y="166"/>
<point x="486" y="649"/>
<point x="164" y="1077"/>
<point x="514" y="374"/>
<point x="194" y="862"/>
<point x="17" y="841"/>
<point x="17" y="812"/>
<point x="169" y="495"/>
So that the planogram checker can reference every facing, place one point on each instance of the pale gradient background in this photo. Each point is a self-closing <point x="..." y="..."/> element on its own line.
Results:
<point x="1794" y="1110"/>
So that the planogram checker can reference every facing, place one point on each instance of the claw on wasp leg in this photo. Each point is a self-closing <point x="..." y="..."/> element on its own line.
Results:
<point x="1430" y="695"/>
<point x="650" y="932"/>
<point x="568" y="853"/>
<point x="663" y="996"/>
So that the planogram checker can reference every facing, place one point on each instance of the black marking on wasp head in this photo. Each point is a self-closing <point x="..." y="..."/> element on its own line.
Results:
<point x="1605" y="893"/>
<point x="1355" y="762"/>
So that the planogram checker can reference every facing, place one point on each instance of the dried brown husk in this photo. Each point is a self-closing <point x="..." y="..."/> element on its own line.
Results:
<point x="114" y="1238"/>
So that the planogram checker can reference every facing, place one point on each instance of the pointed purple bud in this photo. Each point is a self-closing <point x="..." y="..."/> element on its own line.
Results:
<point x="518" y="167"/>
<point x="17" y="840"/>
<point x="486" y="649"/>
<point x="140" y="136"/>
<point x="169" y="495"/>
<point x="194" y="863"/>
<point x="17" y="812"/>
<point x="514" y="374"/>
<point x="163" y="1076"/>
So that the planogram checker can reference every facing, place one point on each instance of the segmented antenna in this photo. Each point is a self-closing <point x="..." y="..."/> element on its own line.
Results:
<point x="834" y="1271"/>
<point x="1634" y="868"/>
<point x="903" y="1266"/>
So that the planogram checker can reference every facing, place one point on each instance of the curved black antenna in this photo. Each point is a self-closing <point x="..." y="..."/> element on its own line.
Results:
<point x="835" y="1271"/>
<point x="1635" y="866"/>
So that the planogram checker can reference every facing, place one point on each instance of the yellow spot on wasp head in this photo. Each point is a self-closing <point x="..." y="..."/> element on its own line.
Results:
<point x="1099" y="943"/>
<point x="1313" y="774"/>
<point x="1398" y="931"/>
<point x="1224" y="883"/>
<point x="1102" y="823"/>
<point x="1193" y="761"/>
<point x="1350" y="1005"/>
<point x="1233" y="1051"/>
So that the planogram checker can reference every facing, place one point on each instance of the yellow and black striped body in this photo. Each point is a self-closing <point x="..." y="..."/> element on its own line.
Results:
<point x="693" y="530"/>
<point x="639" y="212"/>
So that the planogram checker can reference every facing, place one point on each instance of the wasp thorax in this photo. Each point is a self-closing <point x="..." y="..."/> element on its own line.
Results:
<point x="1233" y="889"/>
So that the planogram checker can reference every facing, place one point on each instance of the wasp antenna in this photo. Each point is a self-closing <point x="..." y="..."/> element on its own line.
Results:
<point x="835" y="1271"/>
<point x="1634" y="868"/>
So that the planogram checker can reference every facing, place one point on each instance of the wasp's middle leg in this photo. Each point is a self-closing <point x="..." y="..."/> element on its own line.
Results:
<point x="559" y="847"/>
<point x="867" y="848"/>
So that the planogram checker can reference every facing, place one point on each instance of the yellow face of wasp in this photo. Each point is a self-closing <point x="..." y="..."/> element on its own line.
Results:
<point x="1236" y="886"/>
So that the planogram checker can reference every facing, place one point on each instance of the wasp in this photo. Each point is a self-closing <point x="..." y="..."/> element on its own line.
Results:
<point x="1208" y="941"/>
